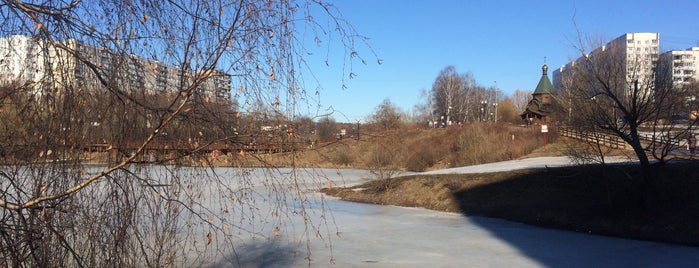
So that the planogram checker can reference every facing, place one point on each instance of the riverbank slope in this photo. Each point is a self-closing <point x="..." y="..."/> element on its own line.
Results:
<point x="593" y="199"/>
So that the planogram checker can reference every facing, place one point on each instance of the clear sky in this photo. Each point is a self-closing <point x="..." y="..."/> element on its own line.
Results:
<point x="502" y="42"/>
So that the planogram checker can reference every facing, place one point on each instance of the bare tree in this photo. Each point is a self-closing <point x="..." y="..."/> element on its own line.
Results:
<point x="612" y="91"/>
<point x="327" y="129"/>
<point x="507" y="112"/>
<point x="424" y="111"/>
<point x="459" y="97"/>
<point x="465" y="110"/>
<point x="446" y="89"/>
<point x="520" y="98"/>
<point x="387" y="115"/>
<point x="151" y="81"/>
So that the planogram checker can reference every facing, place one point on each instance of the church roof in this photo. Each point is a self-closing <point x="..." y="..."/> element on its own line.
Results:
<point x="544" y="86"/>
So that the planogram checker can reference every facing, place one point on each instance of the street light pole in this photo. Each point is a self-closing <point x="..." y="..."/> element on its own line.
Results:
<point x="496" y="102"/>
<point x="448" y="115"/>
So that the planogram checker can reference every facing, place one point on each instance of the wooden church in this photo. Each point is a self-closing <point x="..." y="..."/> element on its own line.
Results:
<point x="541" y="106"/>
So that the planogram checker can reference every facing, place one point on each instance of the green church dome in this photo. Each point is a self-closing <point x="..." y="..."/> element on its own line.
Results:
<point x="544" y="86"/>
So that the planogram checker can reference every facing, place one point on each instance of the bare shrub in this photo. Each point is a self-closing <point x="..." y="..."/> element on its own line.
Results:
<point x="383" y="160"/>
<point x="470" y="146"/>
<point x="483" y="143"/>
<point x="326" y="129"/>
<point x="343" y="158"/>
<point x="421" y="156"/>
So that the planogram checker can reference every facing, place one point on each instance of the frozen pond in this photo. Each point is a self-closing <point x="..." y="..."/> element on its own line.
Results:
<point x="229" y="217"/>
<point x="365" y="235"/>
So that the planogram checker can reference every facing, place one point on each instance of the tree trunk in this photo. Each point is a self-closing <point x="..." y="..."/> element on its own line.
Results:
<point x="640" y="152"/>
<point x="646" y="177"/>
<point x="635" y="143"/>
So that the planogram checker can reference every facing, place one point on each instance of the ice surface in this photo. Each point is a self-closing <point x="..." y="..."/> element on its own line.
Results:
<point x="366" y="235"/>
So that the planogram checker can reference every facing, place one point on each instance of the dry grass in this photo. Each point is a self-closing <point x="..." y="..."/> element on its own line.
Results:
<point x="418" y="149"/>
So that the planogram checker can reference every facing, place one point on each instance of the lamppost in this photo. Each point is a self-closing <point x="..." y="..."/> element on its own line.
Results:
<point x="495" y="105"/>
<point x="449" y="115"/>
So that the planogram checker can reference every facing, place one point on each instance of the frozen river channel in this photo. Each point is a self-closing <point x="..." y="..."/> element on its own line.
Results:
<point x="365" y="235"/>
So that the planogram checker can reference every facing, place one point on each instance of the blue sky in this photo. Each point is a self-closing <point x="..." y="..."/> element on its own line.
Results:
<point x="503" y="41"/>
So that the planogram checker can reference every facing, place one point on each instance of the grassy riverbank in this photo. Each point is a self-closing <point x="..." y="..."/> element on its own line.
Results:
<point x="591" y="199"/>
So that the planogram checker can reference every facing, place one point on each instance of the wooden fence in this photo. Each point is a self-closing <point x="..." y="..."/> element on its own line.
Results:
<point x="605" y="139"/>
<point x="613" y="141"/>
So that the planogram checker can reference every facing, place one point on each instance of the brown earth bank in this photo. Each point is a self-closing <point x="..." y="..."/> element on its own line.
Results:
<point x="596" y="199"/>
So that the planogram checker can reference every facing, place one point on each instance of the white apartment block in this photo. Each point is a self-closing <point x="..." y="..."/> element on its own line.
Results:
<point x="682" y="66"/>
<point x="25" y="61"/>
<point x="641" y="51"/>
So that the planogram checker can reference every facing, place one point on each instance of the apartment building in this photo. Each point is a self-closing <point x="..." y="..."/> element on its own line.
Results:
<point x="640" y="51"/>
<point x="26" y="61"/>
<point x="681" y="66"/>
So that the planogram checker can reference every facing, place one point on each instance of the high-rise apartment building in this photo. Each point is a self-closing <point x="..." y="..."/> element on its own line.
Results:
<point x="640" y="51"/>
<point x="681" y="66"/>
<point x="24" y="60"/>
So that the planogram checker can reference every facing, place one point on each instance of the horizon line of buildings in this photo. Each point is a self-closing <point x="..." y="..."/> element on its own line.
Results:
<point x="642" y="54"/>
<point x="25" y="60"/>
